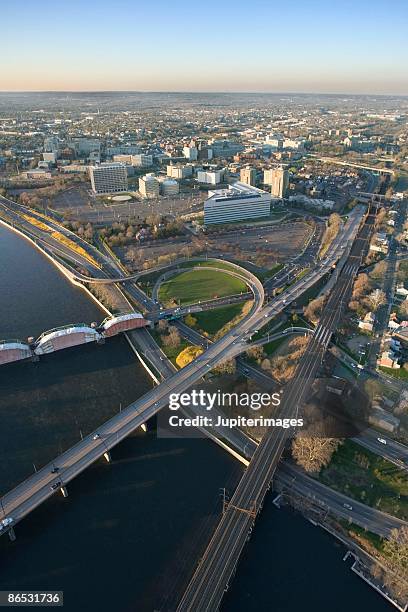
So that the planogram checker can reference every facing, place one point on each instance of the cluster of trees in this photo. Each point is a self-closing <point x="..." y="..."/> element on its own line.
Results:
<point x="314" y="452"/>
<point x="170" y="335"/>
<point x="395" y="560"/>
<point x="334" y="224"/>
<point x="84" y="230"/>
<point x="228" y="366"/>
<point x="314" y="309"/>
<point x="363" y="298"/>
<point x="156" y="226"/>
<point x="282" y="367"/>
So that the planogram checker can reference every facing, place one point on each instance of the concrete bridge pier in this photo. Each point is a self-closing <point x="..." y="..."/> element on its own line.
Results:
<point x="64" y="491"/>
<point x="107" y="456"/>
<point x="12" y="534"/>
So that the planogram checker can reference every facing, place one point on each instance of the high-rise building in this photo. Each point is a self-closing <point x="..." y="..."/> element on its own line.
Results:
<point x="108" y="178"/>
<point x="149" y="186"/>
<point x="278" y="178"/>
<point x="248" y="176"/>
<point x="191" y="153"/>
<point x="238" y="202"/>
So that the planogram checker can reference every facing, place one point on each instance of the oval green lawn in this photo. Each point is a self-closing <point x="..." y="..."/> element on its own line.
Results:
<point x="200" y="285"/>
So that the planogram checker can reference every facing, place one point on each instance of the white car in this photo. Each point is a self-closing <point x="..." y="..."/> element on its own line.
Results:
<point x="347" y="506"/>
<point x="6" y="522"/>
<point x="382" y="440"/>
<point x="96" y="437"/>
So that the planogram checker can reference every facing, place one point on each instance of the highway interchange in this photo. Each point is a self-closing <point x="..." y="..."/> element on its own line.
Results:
<point x="243" y="506"/>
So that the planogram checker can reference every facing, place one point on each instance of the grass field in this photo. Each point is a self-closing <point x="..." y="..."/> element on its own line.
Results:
<point x="211" y="321"/>
<point x="401" y="374"/>
<point x="368" y="478"/>
<point x="193" y="286"/>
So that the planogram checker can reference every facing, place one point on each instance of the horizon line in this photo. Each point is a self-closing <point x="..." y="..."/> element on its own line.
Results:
<point x="186" y="91"/>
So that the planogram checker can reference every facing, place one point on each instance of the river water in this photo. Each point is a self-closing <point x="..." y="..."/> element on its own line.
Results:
<point x="127" y="535"/>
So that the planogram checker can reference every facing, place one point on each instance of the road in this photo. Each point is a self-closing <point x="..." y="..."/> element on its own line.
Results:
<point x="212" y="576"/>
<point x="342" y="506"/>
<point x="37" y="488"/>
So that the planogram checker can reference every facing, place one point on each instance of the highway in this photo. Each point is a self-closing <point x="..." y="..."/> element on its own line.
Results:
<point x="342" y="506"/>
<point x="212" y="576"/>
<point x="391" y="450"/>
<point x="37" y="488"/>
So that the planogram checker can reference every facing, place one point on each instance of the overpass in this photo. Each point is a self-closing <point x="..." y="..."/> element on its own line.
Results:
<point x="46" y="482"/>
<point x="338" y="162"/>
<point x="212" y="576"/>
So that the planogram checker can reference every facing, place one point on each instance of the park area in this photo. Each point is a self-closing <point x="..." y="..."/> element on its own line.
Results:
<point x="194" y="286"/>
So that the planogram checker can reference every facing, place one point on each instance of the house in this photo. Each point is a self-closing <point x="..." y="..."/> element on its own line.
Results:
<point x="368" y="322"/>
<point x="401" y="291"/>
<point x="388" y="359"/>
<point x="393" y="324"/>
<point x="401" y="334"/>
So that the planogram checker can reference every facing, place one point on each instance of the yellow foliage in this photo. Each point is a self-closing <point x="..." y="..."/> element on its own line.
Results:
<point x="73" y="246"/>
<point x="187" y="355"/>
<point x="61" y="238"/>
<point x="37" y="223"/>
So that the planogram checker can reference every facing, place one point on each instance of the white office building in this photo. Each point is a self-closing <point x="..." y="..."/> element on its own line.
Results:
<point x="237" y="203"/>
<point x="178" y="171"/>
<point x="149" y="186"/>
<point x="108" y="178"/>
<point x="191" y="153"/>
<point x="210" y="177"/>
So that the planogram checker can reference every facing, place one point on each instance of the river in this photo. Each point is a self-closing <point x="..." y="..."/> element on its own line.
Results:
<point x="128" y="533"/>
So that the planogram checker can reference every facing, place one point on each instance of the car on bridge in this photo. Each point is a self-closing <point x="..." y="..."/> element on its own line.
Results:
<point x="6" y="522"/>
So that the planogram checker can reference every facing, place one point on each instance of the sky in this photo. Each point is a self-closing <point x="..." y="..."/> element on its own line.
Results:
<point x="333" y="46"/>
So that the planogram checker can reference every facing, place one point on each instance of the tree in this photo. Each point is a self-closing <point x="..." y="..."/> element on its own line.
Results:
<point x="313" y="453"/>
<point x="396" y="550"/>
<point x="190" y="320"/>
<point x="404" y="308"/>
<point x="226" y="367"/>
<point x="376" y="299"/>
<point x="255" y="352"/>
<point x="187" y="355"/>
<point x="173" y="339"/>
<point x="162" y="326"/>
<point x="314" y="309"/>
<point x="379" y="270"/>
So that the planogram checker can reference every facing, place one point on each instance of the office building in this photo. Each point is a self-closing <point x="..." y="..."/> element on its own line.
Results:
<point x="278" y="179"/>
<point x="108" y="178"/>
<point x="149" y="186"/>
<point x="248" y="176"/>
<point x="225" y="148"/>
<point x="179" y="172"/>
<point x="142" y="160"/>
<point x="237" y="203"/>
<point x="210" y="177"/>
<point x="191" y="153"/>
